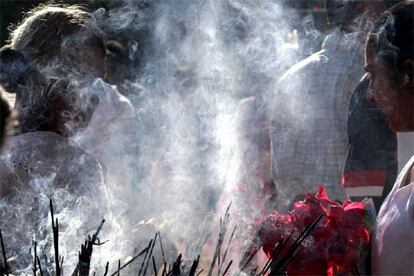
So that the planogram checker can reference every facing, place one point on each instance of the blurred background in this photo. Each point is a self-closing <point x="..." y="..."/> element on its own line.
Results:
<point x="311" y="13"/>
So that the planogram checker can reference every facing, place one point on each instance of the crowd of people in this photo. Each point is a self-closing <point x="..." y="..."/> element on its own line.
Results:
<point x="329" y="122"/>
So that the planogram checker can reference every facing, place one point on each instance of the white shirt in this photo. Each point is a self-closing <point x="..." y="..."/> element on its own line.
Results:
<point x="393" y="239"/>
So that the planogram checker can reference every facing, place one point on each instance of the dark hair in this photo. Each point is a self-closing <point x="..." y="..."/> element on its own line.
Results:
<point x="117" y="62"/>
<point x="40" y="38"/>
<point x="13" y="68"/>
<point x="41" y="34"/>
<point x="341" y="13"/>
<point x="393" y="35"/>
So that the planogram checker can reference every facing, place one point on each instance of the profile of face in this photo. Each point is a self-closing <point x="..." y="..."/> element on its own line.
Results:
<point x="54" y="53"/>
<point x="390" y="88"/>
<point x="68" y="109"/>
<point x="85" y="54"/>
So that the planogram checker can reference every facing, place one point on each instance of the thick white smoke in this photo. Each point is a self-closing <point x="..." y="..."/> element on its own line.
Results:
<point x="199" y="133"/>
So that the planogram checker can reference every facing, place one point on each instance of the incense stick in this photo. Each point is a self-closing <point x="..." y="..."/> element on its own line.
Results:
<point x="145" y="257"/>
<point x="55" y="229"/>
<point x="34" y="258"/>
<point x="227" y="248"/>
<point x="40" y="266"/>
<point x="222" y="232"/>
<point x="228" y="267"/>
<point x="194" y="266"/>
<point x="85" y="254"/>
<point x="162" y="248"/>
<point x="130" y="261"/>
<point x="279" y="263"/>
<point x="3" y="250"/>
<point x="150" y="254"/>
<point x="154" y="266"/>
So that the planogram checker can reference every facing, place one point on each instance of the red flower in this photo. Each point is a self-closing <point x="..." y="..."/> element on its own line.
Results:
<point x="334" y="245"/>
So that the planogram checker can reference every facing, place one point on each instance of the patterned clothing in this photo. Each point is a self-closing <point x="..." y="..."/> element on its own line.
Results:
<point x="309" y="119"/>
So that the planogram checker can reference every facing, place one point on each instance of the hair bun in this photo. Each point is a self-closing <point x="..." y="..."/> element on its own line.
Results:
<point x="13" y="68"/>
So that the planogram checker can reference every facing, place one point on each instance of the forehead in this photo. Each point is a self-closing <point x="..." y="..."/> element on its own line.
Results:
<point x="378" y="46"/>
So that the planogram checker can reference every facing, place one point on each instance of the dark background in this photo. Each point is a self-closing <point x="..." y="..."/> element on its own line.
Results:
<point x="12" y="11"/>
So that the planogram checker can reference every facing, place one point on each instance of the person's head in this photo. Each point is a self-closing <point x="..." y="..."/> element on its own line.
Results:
<point x="61" y="39"/>
<point x="344" y="14"/>
<point x="53" y="49"/>
<point x="390" y="63"/>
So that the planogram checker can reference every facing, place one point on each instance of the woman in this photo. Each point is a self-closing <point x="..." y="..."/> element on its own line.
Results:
<point x="390" y="63"/>
<point x="55" y="63"/>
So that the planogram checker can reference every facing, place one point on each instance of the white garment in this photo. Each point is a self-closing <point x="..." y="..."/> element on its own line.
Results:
<point x="36" y="167"/>
<point x="42" y="161"/>
<point x="309" y="131"/>
<point x="393" y="240"/>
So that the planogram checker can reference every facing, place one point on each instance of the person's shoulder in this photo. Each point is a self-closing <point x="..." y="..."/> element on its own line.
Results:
<point x="10" y="183"/>
<point x="47" y="155"/>
<point x="406" y="176"/>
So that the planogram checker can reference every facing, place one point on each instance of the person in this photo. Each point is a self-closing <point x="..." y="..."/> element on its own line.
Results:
<point x="375" y="152"/>
<point x="390" y="64"/>
<point x="42" y="60"/>
<point x="371" y="164"/>
<point x="310" y="106"/>
<point x="54" y="64"/>
<point x="52" y="47"/>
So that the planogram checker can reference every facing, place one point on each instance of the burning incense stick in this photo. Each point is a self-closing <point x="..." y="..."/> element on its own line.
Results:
<point x="145" y="257"/>
<point x="150" y="254"/>
<point x="278" y="262"/>
<point x="194" y="266"/>
<point x="222" y="232"/>
<point x="3" y="250"/>
<point x="106" y="268"/>
<point x="34" y="258"/>
<point x="55" y="230"/>
<point x="85" y="254"/>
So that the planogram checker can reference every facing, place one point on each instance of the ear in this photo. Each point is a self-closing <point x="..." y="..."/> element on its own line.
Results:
<point x="13" y="68"/>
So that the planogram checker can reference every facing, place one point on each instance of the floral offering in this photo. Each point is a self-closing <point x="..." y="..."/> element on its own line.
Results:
<point x="332" y="247"/>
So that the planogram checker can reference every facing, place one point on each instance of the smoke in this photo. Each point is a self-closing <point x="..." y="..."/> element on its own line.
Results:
<point x="197" y="138"/>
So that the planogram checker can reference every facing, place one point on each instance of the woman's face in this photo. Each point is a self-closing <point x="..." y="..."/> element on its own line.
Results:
<point x="86" y="54"/>
<point x="391" y="90"/>
<point x="67" y="111"/>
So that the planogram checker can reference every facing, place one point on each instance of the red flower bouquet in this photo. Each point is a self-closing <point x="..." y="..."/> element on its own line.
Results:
<point x="333" y="245"/>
